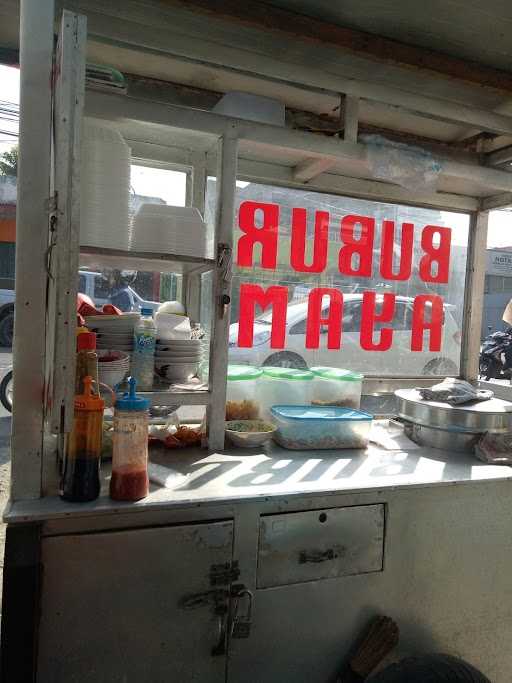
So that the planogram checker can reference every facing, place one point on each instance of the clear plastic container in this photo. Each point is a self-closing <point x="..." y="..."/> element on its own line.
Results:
<point x="143" y="358"/>
<point x="315" y="427"/>
<point x="283" y="386"/>
<point x="81" y="478"/>
<point x="242" y="392"/>
<point x="130" y="447"/>
<point x="336" y="387"/>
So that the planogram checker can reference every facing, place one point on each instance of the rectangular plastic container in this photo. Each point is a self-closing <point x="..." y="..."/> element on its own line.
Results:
<point x="320" y="427"/>
<point x="336" y="387"/>
<point x="279" y="386"/>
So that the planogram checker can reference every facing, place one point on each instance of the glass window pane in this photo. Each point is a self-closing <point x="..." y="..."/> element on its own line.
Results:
<point x="396" y="299"/>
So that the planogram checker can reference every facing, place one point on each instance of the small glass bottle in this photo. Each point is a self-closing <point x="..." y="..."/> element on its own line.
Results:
<point x="130" y="447"/>
<point x="86" y="362"/>
<point x="81" y="478"/>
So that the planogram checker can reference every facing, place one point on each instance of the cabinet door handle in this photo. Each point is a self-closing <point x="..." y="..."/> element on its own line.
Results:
<point x="316" y="556"/>
<point x="219" y="650"/>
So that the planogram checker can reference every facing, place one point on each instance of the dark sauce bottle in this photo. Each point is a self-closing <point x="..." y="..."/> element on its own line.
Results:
<point x="81" y="478"/>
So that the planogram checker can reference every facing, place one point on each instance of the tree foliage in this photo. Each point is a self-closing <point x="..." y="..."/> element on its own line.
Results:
<point x="9" y="162"/>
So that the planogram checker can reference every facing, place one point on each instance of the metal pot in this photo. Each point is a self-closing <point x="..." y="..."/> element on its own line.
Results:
<point x="477" y="418"/>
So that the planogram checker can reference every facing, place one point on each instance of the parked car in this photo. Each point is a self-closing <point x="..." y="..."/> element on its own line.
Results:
<point x="6" y="316"/>
<point x="399" y="360"/>
<point x="125" y="298"/>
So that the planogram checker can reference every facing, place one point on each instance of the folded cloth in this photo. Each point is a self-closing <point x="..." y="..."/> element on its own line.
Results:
<point x="454" y="391"/>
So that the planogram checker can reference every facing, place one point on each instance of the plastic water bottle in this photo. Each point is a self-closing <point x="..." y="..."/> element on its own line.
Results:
<point x="143" y="358"/>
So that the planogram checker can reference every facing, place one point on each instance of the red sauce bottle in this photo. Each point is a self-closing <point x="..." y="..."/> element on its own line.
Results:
<point x="130" y="447"/>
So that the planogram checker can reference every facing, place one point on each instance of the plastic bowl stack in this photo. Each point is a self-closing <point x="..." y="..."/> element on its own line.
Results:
<point x="104" y="188"/>
<point x="161" y="228"/>
<point x="177" y="360"/>
<point x="113" y="367"/>
<point x="113" y="331"/>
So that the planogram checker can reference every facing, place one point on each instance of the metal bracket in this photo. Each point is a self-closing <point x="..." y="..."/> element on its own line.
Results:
<point x="224" y="574"/>
<point x="51" y="204"/>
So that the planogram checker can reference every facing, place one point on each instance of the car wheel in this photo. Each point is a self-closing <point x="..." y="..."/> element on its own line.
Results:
<point x="7" y="329"/>
<point x="440" y="366"/>
<point x="6" y="391"/>
<point x="286" y="359"/>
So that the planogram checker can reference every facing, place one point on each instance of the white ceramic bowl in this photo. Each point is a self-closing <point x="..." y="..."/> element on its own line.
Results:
<point x="176" y="372"/>
<point x="250" y="433"/>
<point x="112" y="377"/>
<point x="179" y="345"/>
<point x="172" y="326"/>
<point x="121" y="360"/>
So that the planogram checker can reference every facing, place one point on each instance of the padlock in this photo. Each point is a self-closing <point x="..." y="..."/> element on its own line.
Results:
<point x="241" y="624"/>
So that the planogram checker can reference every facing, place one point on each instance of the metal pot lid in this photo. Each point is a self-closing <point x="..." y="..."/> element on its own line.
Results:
<point x="494" y="415"/>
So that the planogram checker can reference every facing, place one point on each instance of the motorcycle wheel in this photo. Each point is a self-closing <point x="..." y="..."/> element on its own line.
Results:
<point x="489" y="369"/>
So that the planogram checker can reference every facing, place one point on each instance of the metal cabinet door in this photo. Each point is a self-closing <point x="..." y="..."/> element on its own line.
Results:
<point x="112" y="606"/>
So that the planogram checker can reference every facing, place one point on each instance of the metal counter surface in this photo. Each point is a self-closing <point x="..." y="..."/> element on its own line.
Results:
<point x="248" y="475"/>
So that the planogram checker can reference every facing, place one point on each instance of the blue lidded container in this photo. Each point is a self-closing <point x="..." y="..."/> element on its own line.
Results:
<point x="308" y="427"/>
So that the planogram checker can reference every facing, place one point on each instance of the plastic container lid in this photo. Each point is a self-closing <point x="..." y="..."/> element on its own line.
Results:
<point x="130" y="401"/>
<point x="146" y="311"/>
<point x="329" y="413"/>
<point x="86" y="341"/>
<point x="337" y="373"/>
<point x="287" y="373"/>
<point x="242" y="372"/>
<point x="88" y="400"/>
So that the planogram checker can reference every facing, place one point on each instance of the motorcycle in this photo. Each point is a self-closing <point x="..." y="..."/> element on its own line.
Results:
<point x="496" y="356"/>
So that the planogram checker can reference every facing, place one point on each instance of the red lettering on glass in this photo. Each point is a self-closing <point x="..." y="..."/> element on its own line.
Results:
<point x="434" y="304"/>
<point x="439" y="254"/>
<point x="267" y="235"/>
<point x="387" y="249"/>
<point x="332" y="321"/>
<point x="369" y="317"/>
<point x="363" y="246"/>
<point x="320" y="241"/>
<point x="253" y="295"/>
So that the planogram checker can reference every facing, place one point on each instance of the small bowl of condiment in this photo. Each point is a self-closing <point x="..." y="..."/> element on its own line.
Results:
<point x="249" y="433"/>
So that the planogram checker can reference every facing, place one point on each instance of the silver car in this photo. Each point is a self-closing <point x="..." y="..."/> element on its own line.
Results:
<point x="398" y="361"/>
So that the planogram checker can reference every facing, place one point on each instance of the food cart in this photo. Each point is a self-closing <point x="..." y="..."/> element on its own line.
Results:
<point x="263" y="565"/>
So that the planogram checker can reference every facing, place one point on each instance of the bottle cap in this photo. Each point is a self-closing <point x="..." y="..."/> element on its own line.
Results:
<point x="88" y="400"/>
<point x="81" y="330"/>
<point x="130" y="401"/>
<point x="86" y="341"/>
<point x="146" y="311"/>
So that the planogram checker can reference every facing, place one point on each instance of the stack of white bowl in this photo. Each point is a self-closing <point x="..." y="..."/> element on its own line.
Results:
<point x="113" y="332"/>
<point x="168" y="229"/>
<point x="113" y="367"/>
<point x="177" y="360"/>
<point x="104" y="188"/>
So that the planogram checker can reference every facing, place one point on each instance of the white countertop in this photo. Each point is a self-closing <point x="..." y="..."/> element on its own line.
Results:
<point x="238" y="475"/>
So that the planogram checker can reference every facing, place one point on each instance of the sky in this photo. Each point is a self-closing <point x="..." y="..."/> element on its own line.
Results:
<point x="170" y="185"/>
<point x="9" y="92"/>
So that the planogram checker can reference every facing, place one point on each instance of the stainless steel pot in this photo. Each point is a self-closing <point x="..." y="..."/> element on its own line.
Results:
<point x="446" y="440"/>
<point x="487" y="416"/>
